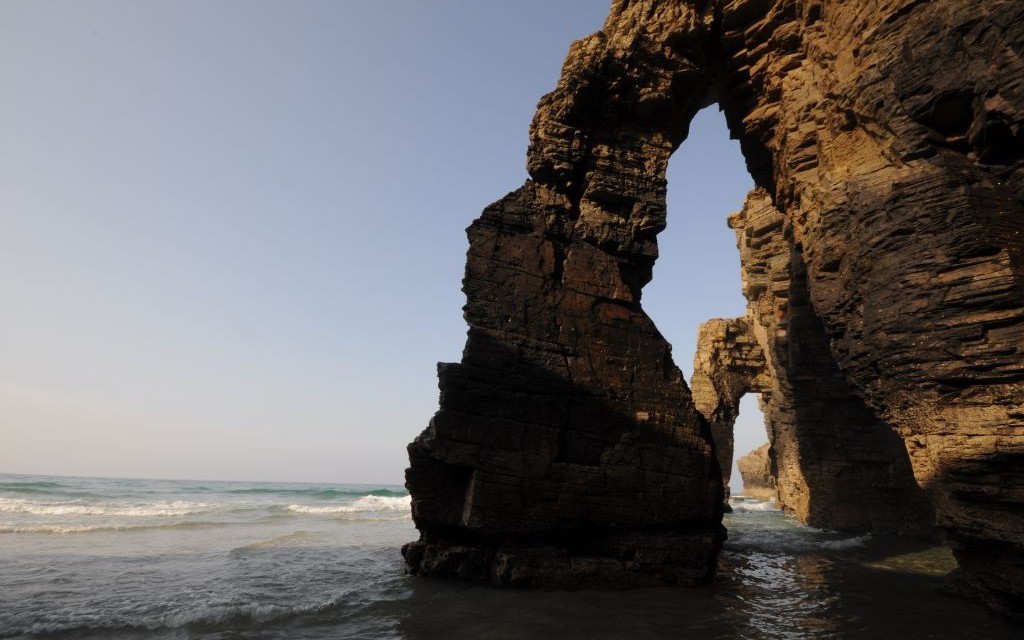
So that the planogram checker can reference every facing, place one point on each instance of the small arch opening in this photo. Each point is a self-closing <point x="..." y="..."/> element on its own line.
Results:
<point x="749" y="434"/>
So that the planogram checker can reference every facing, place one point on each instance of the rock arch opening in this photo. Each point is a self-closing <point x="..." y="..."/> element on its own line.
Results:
<point x="751" y="470"/>
<point x="697" y="274"/>
<point x="883" y="269"/>
<point x="698" y="260"/>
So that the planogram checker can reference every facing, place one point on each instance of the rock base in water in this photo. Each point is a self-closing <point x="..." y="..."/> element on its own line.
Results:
<point x="608" y="560"/>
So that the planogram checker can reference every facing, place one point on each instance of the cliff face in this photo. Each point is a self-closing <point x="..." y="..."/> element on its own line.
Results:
<point x="756" y="469"/>
<point x="887" y="135"/>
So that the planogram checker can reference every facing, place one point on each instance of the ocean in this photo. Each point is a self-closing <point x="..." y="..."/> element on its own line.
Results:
<point x="160" y="559"/>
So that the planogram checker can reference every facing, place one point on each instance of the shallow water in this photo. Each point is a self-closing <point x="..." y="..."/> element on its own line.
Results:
<point x="91" y="558"/>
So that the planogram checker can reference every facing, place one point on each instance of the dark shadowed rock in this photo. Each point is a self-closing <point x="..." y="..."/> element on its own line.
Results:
<point x="567" y="450"/>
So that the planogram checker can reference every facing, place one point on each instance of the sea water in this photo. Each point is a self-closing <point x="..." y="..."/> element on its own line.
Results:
<point x="120" y="559"/>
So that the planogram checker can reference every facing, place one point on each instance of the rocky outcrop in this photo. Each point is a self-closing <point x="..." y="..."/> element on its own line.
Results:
<point x="728" y="364"/>
<point x="567" y="450"/>
<point x="888" y="137"/>
<point x="756" y="470"/>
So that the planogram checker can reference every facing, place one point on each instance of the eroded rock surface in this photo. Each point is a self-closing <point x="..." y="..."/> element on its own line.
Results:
<point x="866" y="124"/>
<point x="837" y="464"/>
<point x="888" y="134"/>
<point x="567" y="450"/>
<point x="756" y="469"/>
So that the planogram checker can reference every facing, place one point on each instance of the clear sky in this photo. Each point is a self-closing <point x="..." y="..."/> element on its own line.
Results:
<point x="232" y="232"/>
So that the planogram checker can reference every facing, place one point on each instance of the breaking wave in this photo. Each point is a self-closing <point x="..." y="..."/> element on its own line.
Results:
<point x="153" y="509"/>
<point x="747" y="505"/>
<point x="30" y="487"/>
<point x="251" y="613"/>
<point x="364" y="504"/>
<point x="795" y="541"/>
<point x="84" y="528"/>
<point x="23" y="515"/>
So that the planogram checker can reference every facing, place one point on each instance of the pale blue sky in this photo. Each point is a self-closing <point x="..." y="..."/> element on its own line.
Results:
<point x="233" y="232"/>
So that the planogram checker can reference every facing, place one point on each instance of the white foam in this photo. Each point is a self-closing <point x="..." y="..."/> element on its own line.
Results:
<point x="748" y="506"/>
<point x="153" y="509"/>
<point x="782" y="542"/>
<point x="14" y="527"/>
<point x="62" y="529"/>
<point x="209" y="615"/>
<point x="366" y="503"/>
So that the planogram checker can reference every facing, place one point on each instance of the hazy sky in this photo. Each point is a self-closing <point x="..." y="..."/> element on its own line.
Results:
<point x="233" y="232"/>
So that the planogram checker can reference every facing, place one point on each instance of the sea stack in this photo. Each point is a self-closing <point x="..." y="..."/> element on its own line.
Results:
<point x="756" y="470"/>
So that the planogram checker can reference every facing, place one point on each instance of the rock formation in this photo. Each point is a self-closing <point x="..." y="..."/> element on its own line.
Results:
<point x="888" y="135"/>
<point x="837" y="465"/>
<point x="756" y="469"/>
<point x="728" y="363"/>
<point x="567" y="450"/>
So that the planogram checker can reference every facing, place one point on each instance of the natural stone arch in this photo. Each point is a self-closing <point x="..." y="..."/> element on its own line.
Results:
<point x="835" y="464"/>
<point x="888" y="135"/>
<point x="728" y="364"/>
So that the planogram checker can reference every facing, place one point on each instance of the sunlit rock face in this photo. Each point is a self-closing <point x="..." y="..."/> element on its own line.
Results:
<point x="888" y="135"/>
<point x="835" y="463"/>
<point x="865" y="125"/>
<point x="756" y="470"/>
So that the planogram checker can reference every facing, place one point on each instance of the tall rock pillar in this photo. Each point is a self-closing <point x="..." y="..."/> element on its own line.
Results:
<point x="567" y="450"/>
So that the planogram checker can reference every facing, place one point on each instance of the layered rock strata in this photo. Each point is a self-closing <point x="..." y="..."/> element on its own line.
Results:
<point x="889" y="135"/>
<point x="567" y="450"/>
<point x="756" y="470"/>
<point x="837" y="464"/>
